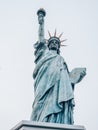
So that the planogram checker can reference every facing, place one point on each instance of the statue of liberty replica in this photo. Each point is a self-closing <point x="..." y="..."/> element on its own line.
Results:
<point x="54" y="83"/>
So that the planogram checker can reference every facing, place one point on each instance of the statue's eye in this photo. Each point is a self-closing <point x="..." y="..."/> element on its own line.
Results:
<point x="56" y="42"/>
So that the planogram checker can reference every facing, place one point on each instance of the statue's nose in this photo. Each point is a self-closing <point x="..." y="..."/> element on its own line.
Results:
<point x="55" y="42"/>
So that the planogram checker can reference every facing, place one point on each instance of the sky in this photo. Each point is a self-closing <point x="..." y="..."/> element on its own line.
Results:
<point x="78" y="20"/>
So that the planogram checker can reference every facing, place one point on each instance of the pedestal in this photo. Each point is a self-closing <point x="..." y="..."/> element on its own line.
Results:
<point x="31" y="125"/>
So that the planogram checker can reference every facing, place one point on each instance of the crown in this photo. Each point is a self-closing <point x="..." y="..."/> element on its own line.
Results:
<point x="56" y="38"/>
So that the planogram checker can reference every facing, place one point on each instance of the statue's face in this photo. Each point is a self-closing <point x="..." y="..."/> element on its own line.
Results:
<point x="40" y="18"/>
<point x="54" y="45"/>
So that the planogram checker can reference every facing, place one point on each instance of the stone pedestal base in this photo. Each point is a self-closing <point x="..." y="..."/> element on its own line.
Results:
<point x="31" y="125"/>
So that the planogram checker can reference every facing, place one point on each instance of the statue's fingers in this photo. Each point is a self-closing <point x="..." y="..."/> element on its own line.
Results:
<point x="83" y="73"/>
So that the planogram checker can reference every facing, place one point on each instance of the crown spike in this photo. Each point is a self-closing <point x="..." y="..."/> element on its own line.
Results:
<point x="49" y="34"/>
<point x="63" y="45"/>
<point x="64" y="40"/>
<point x="55" y="33"/>
<point x="60" y="35"/>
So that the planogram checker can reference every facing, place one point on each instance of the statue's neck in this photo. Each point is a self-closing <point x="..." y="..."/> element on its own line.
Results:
<point x="54" y="51"/>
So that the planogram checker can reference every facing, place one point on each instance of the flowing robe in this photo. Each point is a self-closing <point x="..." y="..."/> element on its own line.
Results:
<point x="54" y="96"/>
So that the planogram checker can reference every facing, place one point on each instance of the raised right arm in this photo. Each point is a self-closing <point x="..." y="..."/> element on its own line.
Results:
<point x="41" y="14"/>
<point x="40" y="46"/>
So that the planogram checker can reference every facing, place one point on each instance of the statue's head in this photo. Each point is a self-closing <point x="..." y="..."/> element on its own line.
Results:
<point x="54" y="42"/>
<point x="41" y="14"/>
